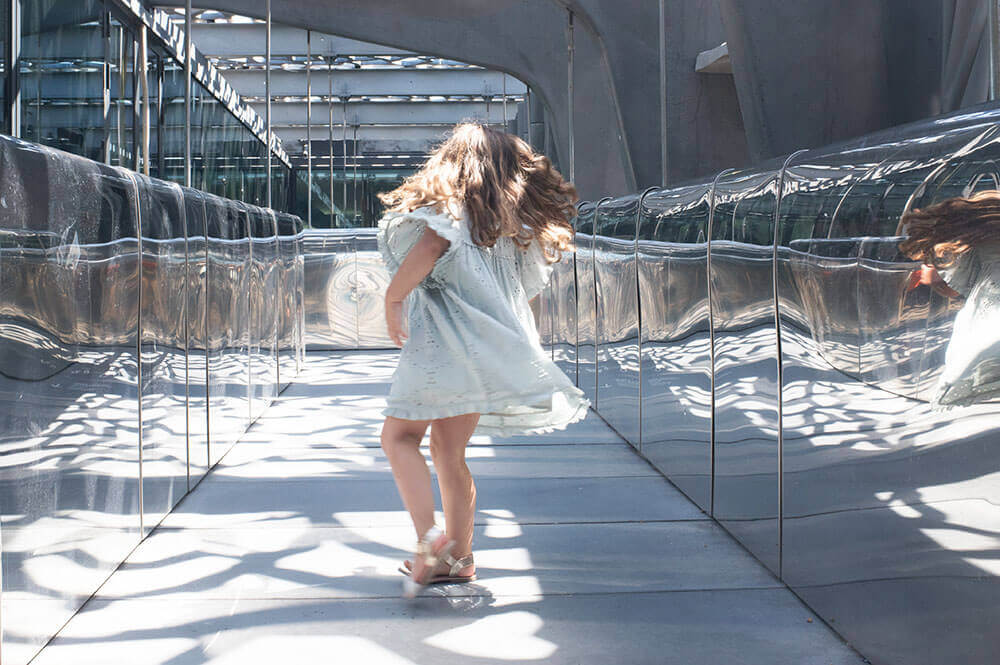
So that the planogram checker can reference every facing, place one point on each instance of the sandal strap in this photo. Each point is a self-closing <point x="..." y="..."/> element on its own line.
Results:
<point x="458" y="564"/>
<point x="425" y="547"/>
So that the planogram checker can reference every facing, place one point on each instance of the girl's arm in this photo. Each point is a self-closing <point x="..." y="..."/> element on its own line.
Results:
<point x="415" y="267"/>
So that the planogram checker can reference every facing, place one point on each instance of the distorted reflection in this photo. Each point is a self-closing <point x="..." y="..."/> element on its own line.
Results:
<point x="506" y="636"/>
<point x="745" y="359"/>
<point x="125" y="331"/>
<point x="290" y="302"/>
<point x="562" y="315"/>
<point x="958" y="241"/>
<point x="617" y="315"/>
<point x="69" y="377"/>
<point x="675" y="337"/>
<point x="884" y="494"/>
<point x="369" y="293"/>
<point x="331" y="311"/>
<point x="586" y="303"/>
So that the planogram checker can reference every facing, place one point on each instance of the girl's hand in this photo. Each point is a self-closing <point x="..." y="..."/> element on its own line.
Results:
<point x="928" y="275"/>
<point x="394" y="321"/>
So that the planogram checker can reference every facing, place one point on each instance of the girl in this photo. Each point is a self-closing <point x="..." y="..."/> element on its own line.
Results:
<point x="471" y="238"/>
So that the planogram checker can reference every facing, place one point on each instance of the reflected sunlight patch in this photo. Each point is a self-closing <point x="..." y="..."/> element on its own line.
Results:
<point x="116" y="650"/>
<point x="904" y="510"/>
<point x="514" y="558"/>
<point x="138" y="580"/>
<point x="509" y="636"/>
<point x="497" y="527"/>
<point x="968" y="529"/>
<point x="869" y="446"/>
<point x="959" y="540"/>
<point x="500" y="523"/>
<point x="513" y="590"/>
<point x="502" y="513"/>
<point x="287" y="468"/>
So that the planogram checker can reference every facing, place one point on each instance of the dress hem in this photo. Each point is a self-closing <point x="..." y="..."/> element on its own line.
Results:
<point x="579" y="406"/>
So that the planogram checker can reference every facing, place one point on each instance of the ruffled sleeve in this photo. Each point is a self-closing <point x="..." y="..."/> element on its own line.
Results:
<point x="533" y="269"/>
<point x="399" y="232"/>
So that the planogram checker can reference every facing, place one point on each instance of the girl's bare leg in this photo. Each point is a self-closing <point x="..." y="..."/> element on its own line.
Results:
<point x="449" y="437"/>
<point x="401" y="443"/>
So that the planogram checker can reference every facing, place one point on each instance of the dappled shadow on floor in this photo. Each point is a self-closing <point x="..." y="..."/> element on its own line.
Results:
<point x="289" y="549"/>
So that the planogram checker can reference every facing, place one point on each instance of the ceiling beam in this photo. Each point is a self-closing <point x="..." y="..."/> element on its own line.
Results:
<point x="250" y="83"/>
<point x="283" y="113"/>
<point x="234" y="40"/>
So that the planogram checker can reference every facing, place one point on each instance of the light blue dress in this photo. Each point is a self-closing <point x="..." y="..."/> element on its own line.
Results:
<point x="472" y="343"/>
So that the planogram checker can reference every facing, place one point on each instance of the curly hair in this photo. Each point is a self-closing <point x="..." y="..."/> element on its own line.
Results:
<point x="503" y="185"/>
<point x="941" y="232"/>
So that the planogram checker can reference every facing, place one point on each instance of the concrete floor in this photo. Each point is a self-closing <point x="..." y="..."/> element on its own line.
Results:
<point x="288" y="551"/>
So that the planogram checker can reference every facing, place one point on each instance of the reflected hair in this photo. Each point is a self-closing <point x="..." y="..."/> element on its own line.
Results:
<point x="939" y="233"/>
<point x="505" y="188"/>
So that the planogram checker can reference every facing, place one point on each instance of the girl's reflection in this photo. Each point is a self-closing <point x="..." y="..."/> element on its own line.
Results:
<point x="958" y="241"/>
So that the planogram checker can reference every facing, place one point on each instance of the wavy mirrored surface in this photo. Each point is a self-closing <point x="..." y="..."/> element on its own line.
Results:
<point x="745" y="358"/>
<point x="288" y="301"/>
<point x="617" y="315"/>
<point x="197" y="335"/>
<point x="163" y="302"/>
<point x="369" y="285"/>
<point x="888" y="491"/>
<point x="228" y="319"/>
<point x="125" y="332"/>
<point x="586" y="303"/>
<point x="331" y="310"/>
<point x="675" y="335"/>
<point x="561" y="295"/>
<point x="264" y="310"/>
<point x="69" y="384"/>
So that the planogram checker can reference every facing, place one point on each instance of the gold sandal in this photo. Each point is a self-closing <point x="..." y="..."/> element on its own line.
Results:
<point x="452" y="577"/>
<point x="425" y="549"/>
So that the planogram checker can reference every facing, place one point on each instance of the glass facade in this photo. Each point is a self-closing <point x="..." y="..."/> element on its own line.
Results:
<point x="356" y="118"/>
<point x="167" y="141"/>
<point x="354" y="201"/>
<point x="87" y="87"/>
<point x="61" y="76"/>
<point x="228" y="159"/>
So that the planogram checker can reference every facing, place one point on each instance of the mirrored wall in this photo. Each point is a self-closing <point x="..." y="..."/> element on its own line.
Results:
<point x="344" y="290"/>
<point x="143" y="325"/>
<point x="826" y="394"/>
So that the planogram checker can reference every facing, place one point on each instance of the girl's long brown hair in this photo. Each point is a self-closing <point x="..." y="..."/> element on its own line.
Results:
<point x="940" y="232"/>
<point x="502" y="184"/>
